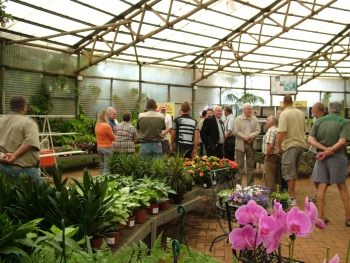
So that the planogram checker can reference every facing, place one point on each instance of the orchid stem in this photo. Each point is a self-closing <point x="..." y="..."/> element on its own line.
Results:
<point x="328" y="253"/>
<point x="291" y="254"/>
<point x="348" y="254"/>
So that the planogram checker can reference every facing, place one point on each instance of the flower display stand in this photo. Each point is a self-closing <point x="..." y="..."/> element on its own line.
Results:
<point x="224" y="180"/>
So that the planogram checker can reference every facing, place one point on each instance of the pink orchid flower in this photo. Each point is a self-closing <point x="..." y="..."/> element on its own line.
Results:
<point x="249" y="213"/>
<point x="280" y="216"/>
<point x="335" y="259"/>
<point x="311" y="210"/>
<point x="271" y="243"/>
<point x="299" y="222"/>
<point x="244" y="237"/>
<point x="267" y="225"/>
<point x="320" y="223"/>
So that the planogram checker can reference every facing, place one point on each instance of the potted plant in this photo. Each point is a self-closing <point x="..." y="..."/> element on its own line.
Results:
<point x="112" y="235"/>
<point x="281" y="196"/>
<point x="178" y="177"/>
<point x="142" y="197"/>
<point x="159" y="186"/>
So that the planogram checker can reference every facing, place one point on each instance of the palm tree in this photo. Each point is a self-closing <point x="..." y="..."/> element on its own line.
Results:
<point x="237" y="102"/>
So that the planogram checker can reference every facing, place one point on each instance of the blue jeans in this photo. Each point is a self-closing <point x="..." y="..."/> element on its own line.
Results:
<point x="153" y="149"/>
<point x="105" y="154"/>
<point x="13" y="172"/>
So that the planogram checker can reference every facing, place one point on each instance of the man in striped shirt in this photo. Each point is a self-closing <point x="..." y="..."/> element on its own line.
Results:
<point x="272" y="160"/>
<point x="185" y="133"/>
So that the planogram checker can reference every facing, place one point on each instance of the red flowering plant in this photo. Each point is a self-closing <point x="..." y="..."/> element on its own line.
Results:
<point x="201" y="166"/>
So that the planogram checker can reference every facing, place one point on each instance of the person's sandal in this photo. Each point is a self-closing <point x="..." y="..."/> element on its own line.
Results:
<point x="325" y="220"/>
<point x="347" y="222"/>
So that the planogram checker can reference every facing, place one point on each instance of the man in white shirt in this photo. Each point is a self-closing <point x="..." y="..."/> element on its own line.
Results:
<point x="168" y="124"/>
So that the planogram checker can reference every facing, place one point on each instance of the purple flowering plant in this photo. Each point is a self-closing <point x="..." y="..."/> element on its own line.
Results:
<point x="241" y="195"/>
<point x="263" y="229"/>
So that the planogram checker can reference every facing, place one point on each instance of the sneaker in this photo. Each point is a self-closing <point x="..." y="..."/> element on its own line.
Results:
<point x="313" y="199"/>
<point x="292" y="202"/>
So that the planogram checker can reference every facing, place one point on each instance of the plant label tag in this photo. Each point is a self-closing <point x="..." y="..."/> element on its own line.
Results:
<point x="155" y="210"/>
<point x="204" y="185"/>
<point x="132" y="223"/>
<point x="110" y="240"/>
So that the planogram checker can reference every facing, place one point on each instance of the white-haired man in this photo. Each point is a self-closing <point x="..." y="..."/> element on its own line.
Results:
<point x="329" y="135"/>
<point x="246" y="129"/>
<point x="112" y="114"/>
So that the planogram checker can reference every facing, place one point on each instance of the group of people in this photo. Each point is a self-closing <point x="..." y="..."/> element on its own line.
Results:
<point x="284" y="144"/>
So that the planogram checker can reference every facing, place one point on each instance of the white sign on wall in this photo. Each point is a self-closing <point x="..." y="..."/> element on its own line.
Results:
<point x="283" y="85"/>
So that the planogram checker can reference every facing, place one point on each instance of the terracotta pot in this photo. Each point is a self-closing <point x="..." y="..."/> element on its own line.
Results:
<point x="130" y="223"/>
<point x="140" y="216"/>
<point x="97" y="242"/>
<point x="164" y="205"/>
<point x="153" y="209"/>
<point x="121" y="231"/>
<point x="112" y="239"/>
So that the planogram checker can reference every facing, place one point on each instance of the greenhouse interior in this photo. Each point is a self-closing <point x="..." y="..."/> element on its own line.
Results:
<point x="71" y="68"/>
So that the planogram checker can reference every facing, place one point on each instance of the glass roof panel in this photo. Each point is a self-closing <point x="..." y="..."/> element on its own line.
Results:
<point x="336" y="15"/>
<point x="202" y="30"/>
<point x="70" y="40"/>
<point x="111" y="6"/>
<point x="245" y="12"/>
<point x="229" y="22"/>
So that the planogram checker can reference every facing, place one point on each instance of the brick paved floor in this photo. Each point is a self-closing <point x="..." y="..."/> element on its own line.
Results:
<point x="201" y="226"/>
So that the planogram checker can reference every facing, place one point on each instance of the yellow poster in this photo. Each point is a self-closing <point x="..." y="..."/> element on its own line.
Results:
<point x="297" y="104"/>
<point x="170" y="107"/>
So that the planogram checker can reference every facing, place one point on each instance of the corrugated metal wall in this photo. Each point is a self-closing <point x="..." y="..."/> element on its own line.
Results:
<point x="18" y="82"/>
<point x="63" y="94"/>
<point x="125" y="97"/>
<point x="39" y="59"/>
<point x="206" y="98"/>
<point x="95" y="95"/>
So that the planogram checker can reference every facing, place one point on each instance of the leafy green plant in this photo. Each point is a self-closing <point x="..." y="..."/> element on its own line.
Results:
<point x="237" y="101"/>
<point x="142" y="254"/>
<point x="130" y="164"/>
<point x="4" y="17"/>
<point x="280" y="195"/>
<point x="41" y="104"/>
<point x="178" y="177"/>
<point x="97" y="205"/>
<point x="159" y="186"/>
<point x="143" y="197"/>
<point x="12" y="236"/>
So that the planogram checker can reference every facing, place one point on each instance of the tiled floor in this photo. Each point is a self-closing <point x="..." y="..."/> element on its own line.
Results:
<point x="201" y="226"/>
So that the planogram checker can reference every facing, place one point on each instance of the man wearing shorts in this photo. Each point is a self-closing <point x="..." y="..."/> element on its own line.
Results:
<point x="291" y="143"/>
<point x="329" y="135"/>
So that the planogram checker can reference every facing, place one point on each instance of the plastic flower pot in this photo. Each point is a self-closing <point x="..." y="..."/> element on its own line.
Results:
<point x="97" y="242"/>
<point x="121" y="231"/>
<point x="112" y="239"/>
<point x="177" y="198"/>
<point x="153" y="209"/>
<point x="130" y="223"/>
<point x="164" y="205"/>
<point x="140" y="216"/>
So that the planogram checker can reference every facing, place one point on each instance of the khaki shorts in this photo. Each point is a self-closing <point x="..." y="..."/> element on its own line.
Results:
<point x="291" y="162"/>
<point x="332" y="170"/>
